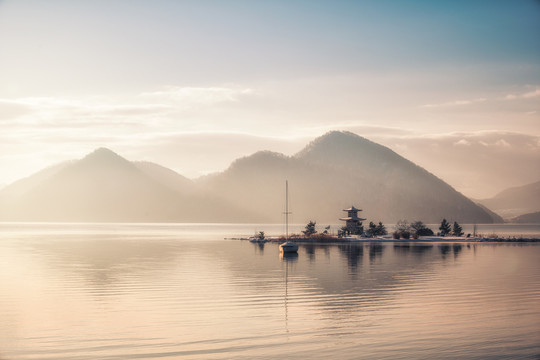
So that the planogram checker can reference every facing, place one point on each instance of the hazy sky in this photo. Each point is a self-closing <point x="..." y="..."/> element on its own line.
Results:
<point x="193" y="85"/>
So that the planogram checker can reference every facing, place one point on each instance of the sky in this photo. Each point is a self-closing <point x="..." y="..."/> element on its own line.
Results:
<point x="453" y="86"/>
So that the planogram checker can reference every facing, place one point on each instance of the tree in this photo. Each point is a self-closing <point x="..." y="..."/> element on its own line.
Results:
<point x="457" y="229"/>
<point x="310" y="229"/>
<point x="420" y="229"/>
<point x="444" y="228"/>
<point x="376" y="230"/>
<point x="344" y="231"/>
<point x="372" y="231"/>
<point x="326" y="229"/>
<point x="381" y="229"/>
<point x="402" y="225"/>
<point x="403" y="229"/>
<point x="260" y="235"/>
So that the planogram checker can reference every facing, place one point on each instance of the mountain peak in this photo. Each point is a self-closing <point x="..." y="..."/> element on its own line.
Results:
<point x="340" y="145"/>
<point x="335" y="170"/>
<point x="102" y="152"/>
<point x="103" y="157"/>
<point x="337" y="134"/>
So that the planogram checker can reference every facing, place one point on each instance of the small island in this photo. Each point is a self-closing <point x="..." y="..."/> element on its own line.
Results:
<point x="354" y="231"/>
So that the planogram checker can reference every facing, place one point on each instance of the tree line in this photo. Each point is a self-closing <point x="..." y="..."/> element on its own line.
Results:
<point x="403" y="229"/>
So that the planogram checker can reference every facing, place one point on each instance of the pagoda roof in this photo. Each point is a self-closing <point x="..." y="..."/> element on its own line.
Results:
<point x="352" y="208"/>
<point x="352" y="218"/>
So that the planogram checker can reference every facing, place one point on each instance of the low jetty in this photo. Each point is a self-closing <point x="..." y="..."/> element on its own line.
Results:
<point x="331" y="239"/>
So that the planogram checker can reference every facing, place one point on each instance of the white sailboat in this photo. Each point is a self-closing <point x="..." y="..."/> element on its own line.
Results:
<point x="287" y="246"/>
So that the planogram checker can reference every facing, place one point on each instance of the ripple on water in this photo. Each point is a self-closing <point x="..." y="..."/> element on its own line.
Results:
<point x="157" y="297"/>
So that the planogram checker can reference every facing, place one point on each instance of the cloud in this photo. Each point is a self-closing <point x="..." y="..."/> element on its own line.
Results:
<point x="167" y="98"/>
<point x="188" y="96"/>
<point x="45" y="130"/>
<point x="479" y="164"/>
<point x="12" y="110"/>
<point x="124" y="110"/>
<point x="454" y="103"/>
<point x="169" y="107"/>
<point x="531" y="94"/>
<point x="462" y="142"/>
<point x="528" y="95"/>
<point x="503" y="143"/>
<point x="485" y="137"/>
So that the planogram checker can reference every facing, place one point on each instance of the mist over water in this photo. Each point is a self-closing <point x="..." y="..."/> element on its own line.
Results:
<point x="147" y="291"/>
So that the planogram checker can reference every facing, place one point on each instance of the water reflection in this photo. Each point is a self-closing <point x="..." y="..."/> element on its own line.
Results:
<point x="457" y="249"/>
<point x="354" y="253"/>
<point x="233" y="299"/>
<point x="421" y="249"/>
<point x="445" y="249"/>
<point x="106" y="264"/>
<point x="288" y="257"/>
<point x="384" y="273"/>
<point x="402" y="248"/>
<point x="375" y="251"/>
<point x="417" y="249"/>
<point x="259" y="247"/>
<point x="310" y="251"/>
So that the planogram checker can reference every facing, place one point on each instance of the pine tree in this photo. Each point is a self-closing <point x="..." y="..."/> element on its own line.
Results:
<point x="445" y="227"/>
<point x="457" y="230"/>
<point x="381" y="229"/>
<point x="372" y="231"/>
<point x="310" y="229"/>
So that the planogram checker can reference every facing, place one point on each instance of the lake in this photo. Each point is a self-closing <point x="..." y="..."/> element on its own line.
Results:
<point x="168" y="291"/>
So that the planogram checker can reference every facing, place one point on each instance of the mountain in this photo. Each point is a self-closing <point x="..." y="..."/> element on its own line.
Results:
<point x="166" y="176"/>
<point x="336" y="171"/>
<point x="515" y="201"/>
<point x="20" y="187"/>
<point x="532" y="218"/>
<point x="332" y="173"/>
<point x="496" y="217"/>
<point x="103" y="186"/>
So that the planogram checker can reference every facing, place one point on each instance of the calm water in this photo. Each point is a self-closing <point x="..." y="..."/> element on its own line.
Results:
<point x="120" y="291"/>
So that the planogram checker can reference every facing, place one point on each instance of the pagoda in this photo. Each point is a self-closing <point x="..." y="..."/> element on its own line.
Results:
<point x="352" y="222"/>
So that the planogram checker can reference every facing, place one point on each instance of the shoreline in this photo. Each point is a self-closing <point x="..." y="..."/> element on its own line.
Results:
<point x="389" y="239"/>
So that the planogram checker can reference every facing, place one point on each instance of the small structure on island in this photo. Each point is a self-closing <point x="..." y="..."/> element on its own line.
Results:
<point x="353" y="223"/>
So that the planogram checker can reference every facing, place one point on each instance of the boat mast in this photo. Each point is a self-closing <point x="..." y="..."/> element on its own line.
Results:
<point x="287" y="210"/>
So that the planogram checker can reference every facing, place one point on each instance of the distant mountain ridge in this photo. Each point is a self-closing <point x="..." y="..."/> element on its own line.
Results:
<point x="334" y="171"/>
<point x="515" y="201"/>
<point x="341" y="169"/>
<point x="21" y="186"/>
<point x="104" y="187"/>
<point x="531" y="218"/>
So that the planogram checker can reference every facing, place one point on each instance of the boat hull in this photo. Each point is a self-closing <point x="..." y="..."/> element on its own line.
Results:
<point x="288" y="247"/>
